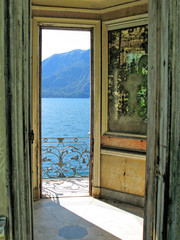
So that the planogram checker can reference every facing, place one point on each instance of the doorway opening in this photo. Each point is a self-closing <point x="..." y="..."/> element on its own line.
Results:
<point x="95" y="215"/>
<point x="66" y="112"/>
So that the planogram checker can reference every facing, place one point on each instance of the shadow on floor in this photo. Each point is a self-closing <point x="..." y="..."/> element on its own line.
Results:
<point x="138" y="211"/>
<point x="83" y="218"/>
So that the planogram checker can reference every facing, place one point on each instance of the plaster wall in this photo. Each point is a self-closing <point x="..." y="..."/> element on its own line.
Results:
<point x="124" y="173"/>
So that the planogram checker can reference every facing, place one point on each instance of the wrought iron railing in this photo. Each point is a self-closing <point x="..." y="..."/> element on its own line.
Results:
<point x="65" y="157"/>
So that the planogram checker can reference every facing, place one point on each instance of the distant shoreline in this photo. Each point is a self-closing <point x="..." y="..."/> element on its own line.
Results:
<point x="67" y="97"/>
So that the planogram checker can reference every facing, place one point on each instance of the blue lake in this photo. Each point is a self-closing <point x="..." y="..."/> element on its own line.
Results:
<point x="61" y="118"/>
<point x="65" y="117"/>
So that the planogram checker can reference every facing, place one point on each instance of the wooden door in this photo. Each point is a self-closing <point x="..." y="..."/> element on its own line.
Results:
<point x="161" y="220"/>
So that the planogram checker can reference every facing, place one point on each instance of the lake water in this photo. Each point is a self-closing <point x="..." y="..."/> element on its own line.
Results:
<point x="61" y="118"/>
<point x="65" y="117"/>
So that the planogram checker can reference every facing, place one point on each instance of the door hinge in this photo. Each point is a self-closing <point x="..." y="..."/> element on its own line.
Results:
<point x="31" y="136"/>
<point x="92" y="145"/>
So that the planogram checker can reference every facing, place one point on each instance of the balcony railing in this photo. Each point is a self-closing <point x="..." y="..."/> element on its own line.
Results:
<point x="65" y="157"/>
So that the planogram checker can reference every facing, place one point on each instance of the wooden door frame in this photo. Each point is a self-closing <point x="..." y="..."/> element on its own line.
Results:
<point x="164" y="27"/>
<point x="94" y="25"/>
<point x="163" y="153"/>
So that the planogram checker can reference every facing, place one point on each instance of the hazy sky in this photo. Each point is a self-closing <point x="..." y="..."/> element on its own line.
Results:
<point x="59" y="41"/>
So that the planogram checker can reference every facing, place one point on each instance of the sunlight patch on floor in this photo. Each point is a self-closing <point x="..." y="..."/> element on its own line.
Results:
<point x="97" y="219"/>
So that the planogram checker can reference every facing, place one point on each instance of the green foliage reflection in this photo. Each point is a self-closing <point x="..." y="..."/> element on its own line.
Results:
<point x="127" y="73"/>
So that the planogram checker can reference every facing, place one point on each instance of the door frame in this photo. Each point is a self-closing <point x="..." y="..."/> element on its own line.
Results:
<point x="95" y="27"/>
<point x="164" y="27"/>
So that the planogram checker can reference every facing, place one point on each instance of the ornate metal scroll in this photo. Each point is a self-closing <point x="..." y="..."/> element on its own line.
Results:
<point x="66" y="157"/>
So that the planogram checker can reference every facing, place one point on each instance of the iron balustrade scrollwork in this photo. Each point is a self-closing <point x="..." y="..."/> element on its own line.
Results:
<point x="65" y="157"/>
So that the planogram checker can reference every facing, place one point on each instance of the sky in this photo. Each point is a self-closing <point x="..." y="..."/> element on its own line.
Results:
<point x="60" y="41"/>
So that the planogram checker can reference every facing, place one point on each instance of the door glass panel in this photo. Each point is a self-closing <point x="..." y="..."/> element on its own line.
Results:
<point x="127" y="80"/>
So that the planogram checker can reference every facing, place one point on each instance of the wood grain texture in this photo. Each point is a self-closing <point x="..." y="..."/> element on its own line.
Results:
<point x="153" y="120"/>
<point x="3" y="119"/>
<point x="162" y="207"/>
<point x="162" y="163"/>
<point x="91" y="114"/>
<point x="173" y="217"/>
<point x="15" y="166"/>
<point x="19" y="117"/>
<point x="36" y="110"/>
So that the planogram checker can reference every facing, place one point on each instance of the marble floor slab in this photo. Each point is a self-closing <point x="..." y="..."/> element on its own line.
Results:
<point x="69" y="187"/>
<point x="86" y="218"/>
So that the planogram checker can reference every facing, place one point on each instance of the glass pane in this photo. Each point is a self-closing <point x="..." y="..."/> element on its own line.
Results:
<point x="127" y="80"/>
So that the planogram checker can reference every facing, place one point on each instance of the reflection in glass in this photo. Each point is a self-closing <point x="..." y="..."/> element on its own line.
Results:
<point x="127" y="80"/>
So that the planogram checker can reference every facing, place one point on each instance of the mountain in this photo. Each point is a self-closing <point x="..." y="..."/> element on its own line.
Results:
<point x="67" y="75"/>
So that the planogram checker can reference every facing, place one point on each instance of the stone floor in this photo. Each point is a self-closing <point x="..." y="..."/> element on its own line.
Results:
<point x="69" y="187"/>
<point x="86" y="218"/>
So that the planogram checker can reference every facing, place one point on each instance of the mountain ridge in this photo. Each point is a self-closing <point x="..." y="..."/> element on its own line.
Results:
<point x="67" y="75"/>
